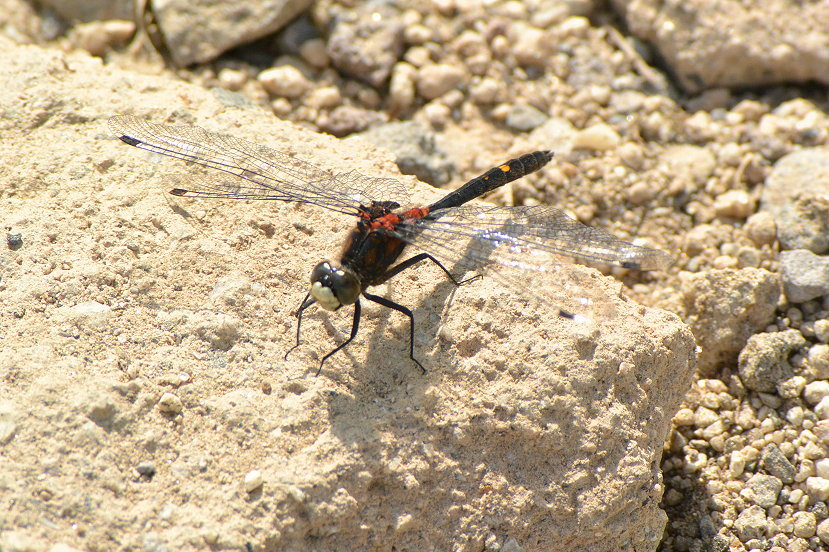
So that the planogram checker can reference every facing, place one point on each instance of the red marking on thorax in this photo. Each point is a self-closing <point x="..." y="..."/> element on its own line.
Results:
<point x="416" y="213"/>
<point x="387" y="222"/>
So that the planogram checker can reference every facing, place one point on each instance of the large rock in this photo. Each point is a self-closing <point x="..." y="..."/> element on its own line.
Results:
<point x="196" y="31"/>
<point x="174" y="419"/>
<point x="729" y="43"/>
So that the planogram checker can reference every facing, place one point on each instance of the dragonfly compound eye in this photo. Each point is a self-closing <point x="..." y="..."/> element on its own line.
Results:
<point x="334" y="287"/>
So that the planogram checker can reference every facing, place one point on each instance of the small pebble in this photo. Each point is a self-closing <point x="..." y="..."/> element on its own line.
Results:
<point x="437" y="79"/>
<point x="14" y="241"/>
<point x="761" y="228"/>
<point x="816" y="391"/>
<point x="818" y="488"/>
<point x="598" y="137"/>
<point x="822" y="467"/>
<point x="314" y="52"/>
<point x="821" y="328"/>
<point x="145" y="469"/>
<point x="776" y="464"/>
<point x="822" y="531"/>
<point x="704" y="417"/>
<point x="822" y="409"/>
<point x="805" y="275"/>
<point x="325" y="97"/>
<point x="169" y="403"/>
<point x="733" y="204"/>
<point x="763" y="490"/>
<point x="253" y="481"/>
<point x="232" y="79"/>
<point x="632" y="155"/>
<point x="523" y="118"/>
<point x="819" y="361"/>
<point x="684" y="417"/>
<point x="285" y="81"/>
<point x="640" y="193"/>
<point x="751" y="523"/>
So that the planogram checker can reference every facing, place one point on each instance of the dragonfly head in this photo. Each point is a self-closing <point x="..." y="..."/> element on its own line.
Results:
<point x="333" y="286"/>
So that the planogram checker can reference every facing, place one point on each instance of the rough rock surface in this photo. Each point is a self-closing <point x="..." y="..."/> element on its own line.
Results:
<point x="145" y="403"/>
<point x="729" y="43"/>
<point x="797" y="196"/>
<point x="198" y="31"/>
<point x="724" y="308"/>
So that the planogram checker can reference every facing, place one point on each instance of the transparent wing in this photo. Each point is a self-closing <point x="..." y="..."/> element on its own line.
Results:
<point x="511" y="243"/>
<point x="258" y="172"/>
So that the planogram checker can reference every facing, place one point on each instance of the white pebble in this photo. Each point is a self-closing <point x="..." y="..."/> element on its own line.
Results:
<point x="737" y="465"/>
<point x="170" y="403"/>
<point x="823" y="531"/>
<point x="804" y="524"/>
<point x="232" y="79"/>
<point x="795" y="496"/>
<point x="437" y="79"/>
<point x="819" y="360"/>
<point x="822" y="330"/>
<point x="684" y="417"/>
<point x="795" y="415"/>
<point x="285" y="81"/>
<point x="597" y="137"/>
<point x="324" y="98"/>
<point x="818" y="488"/>
<point x="253" y="480"/>
<point x="822" y="467"/>
<point x="694" y="462"/>
<point x="822" y="408"/>
<point x="814" y="392"/>
<point x="733" y="204"/>
<point x="704" y="417"/>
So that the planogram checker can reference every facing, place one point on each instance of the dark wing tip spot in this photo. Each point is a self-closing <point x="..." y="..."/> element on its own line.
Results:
<point x="178" y="192"/>
<point x="566" y="315"/>
<point x="632" y="265"/>
<point x="129" y="140"/>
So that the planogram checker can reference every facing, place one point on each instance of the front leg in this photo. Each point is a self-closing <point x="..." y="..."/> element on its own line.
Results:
<point x="355" y="325"/>
<point x="399" y="308"/>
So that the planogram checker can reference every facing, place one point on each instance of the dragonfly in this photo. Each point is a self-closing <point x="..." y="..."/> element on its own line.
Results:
<point x="507" y="243"/>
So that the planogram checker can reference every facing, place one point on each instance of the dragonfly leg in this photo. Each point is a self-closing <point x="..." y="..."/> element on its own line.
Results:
<point x="307" y="302"/>
<point x="355" y="325"/>
<point x="399" y="308"/>
<point x="421" y="257"/>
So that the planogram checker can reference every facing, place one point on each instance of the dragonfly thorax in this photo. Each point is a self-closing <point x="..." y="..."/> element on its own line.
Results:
<point x="333" y="287"/>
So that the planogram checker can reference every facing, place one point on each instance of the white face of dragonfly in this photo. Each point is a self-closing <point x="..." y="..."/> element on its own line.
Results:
<point x="333" y="287"/>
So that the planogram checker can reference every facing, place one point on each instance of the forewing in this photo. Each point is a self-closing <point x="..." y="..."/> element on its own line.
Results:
<point x="516" y="244"/>
<point x="258" y="172"/>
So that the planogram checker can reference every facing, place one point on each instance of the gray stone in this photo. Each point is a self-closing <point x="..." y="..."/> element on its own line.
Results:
<point x="751" y="524"/>
<point x="523" y="118"/>
<point x="415" y="150"/>
<point x="764" y="361"/>
<point x="366" y="41"/>
<point x="777" y="465"/>
<point x="805" y="275"/>
<point x="763" y="489"/>
<point x="196" y="31"/>
<point x="91" y="10"/>
<point x="795" y="194"/>
<point x="348" y="119"/>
